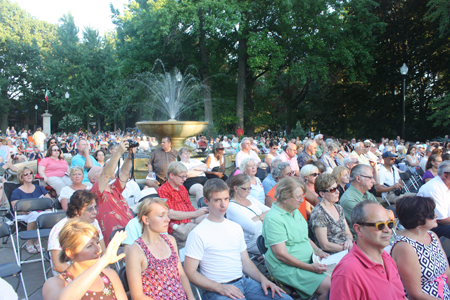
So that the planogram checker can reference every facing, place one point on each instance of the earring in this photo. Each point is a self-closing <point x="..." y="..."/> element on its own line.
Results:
<point x="418" y="230"/>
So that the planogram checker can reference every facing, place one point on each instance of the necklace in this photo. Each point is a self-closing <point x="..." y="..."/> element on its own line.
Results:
<point x="381" y="263"/>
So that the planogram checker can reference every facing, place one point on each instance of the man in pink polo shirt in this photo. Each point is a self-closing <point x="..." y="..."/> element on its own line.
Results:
<point x="368" y="272"/>
<point x="289" y="157"/>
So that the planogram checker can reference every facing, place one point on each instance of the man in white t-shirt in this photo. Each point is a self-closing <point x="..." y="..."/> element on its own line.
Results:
<point x="389" y="178"/>
<point x="438" y="189"/>
<point x="218" y="246"/>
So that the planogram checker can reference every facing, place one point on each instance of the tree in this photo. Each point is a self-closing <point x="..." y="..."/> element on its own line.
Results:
<point x="22" y="39"/>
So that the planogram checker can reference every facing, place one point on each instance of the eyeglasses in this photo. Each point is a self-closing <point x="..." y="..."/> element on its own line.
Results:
<point x="55" y="150"/>
<point x="220" y="148"/>
<point x="91" y="209"/>
<point x="355" y="162"/>
<point x="247" y="189"/>
<point x="370" y="177"/>
<point x="29" y="173"/>
<point x="275" y="148"/>
<point x="182" y="177"/>
<point x="331" y="190"/>
<point x="367" y="146"/>
<point x="380" y="225"/>
<point x="314" y="174"/>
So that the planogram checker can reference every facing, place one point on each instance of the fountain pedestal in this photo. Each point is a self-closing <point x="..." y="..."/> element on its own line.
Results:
<point x="179" y="131"/>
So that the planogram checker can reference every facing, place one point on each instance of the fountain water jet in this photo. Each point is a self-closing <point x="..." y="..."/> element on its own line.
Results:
<point x="173" y="94"/>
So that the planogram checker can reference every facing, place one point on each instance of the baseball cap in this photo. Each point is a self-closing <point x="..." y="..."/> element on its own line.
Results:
<point x="389" y="154"/>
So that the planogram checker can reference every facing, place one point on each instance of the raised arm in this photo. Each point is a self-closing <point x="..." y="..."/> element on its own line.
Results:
<point x="110" y="167"/>
<point x="126" y="167"/>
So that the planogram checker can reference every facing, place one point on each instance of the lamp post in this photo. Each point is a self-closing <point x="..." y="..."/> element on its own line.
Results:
<point x="404" y="71"/>
<point x="67" y="111"/>
<point x="36" y="108"/>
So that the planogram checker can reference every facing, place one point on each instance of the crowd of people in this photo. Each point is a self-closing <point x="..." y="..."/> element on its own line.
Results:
<point x="305" y="198"/>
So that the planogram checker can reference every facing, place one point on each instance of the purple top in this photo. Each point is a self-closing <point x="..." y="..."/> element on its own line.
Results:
<point x="427" y="174"/>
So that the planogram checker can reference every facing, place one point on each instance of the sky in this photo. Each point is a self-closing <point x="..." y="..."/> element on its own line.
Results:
<point x="95" y="13"/>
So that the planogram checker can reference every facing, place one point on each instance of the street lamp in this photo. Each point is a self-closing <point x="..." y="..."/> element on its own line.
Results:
<point x="67" y="111"/>
<point x="36" y="108"/>
<point x="404" y="71"/>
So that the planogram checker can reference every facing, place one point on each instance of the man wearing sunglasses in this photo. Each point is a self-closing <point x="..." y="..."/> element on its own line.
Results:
<point x="361" y="181"/>
<point x="367" y="271"/>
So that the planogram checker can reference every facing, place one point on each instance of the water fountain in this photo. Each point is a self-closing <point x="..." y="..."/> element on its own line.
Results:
<point x="173" y="93"/>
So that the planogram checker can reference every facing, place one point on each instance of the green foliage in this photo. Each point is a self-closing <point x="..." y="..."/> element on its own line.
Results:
<point x="75" y="122"/>
<point x="298" y="132"/>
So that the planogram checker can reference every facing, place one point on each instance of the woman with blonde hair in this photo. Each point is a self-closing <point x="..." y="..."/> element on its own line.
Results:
<point x="76" y="174"/>
<point x="290" y="250"/>
<point x="249" y="168"/>
<point x="342" y="176"/>
<point x="28" y="190"/>
<point x="246" y="210"/>
<point x="153" y="267"/>
<point x="309" y="173"/>
<point x="88" y="276"/>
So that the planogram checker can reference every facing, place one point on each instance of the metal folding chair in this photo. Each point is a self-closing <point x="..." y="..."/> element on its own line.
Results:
<point x="11" y="268"/>
<point x="29" y="205"/>
<point x="117" y="264"/>
<point x="44" y="224"/>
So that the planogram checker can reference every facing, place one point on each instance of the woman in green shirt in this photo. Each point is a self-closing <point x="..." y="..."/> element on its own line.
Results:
<point x="290" y="250"/>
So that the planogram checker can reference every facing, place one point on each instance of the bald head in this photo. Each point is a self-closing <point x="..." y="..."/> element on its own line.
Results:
<point x="94" y="174"/>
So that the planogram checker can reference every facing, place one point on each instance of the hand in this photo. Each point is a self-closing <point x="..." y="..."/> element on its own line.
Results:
<point x="218" y="174"/>
<point x="266" y="284"/>
<point x="202" y="211"/>
<point x="322" y="254"/>
<point x="45" y="179"/>
<point x="86" y="151"/>
<point x="372" y="163"/>
<point x="110" y="255"/>
<point x="123" y="146"/>
<point x="231" y="291"/>
<point x="318" y="268"/>
<point x="348" y="244"/>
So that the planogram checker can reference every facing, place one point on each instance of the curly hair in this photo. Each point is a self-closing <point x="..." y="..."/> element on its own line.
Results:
<point x="79" y="200"/>
<point x="414" y="211"/>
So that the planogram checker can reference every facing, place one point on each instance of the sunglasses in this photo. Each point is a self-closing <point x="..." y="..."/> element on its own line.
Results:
<point x="331" y="190"/>
<point x="91" y="209"/>
<point x="380" y="225"/>
<point x="29" y="173"/>
<point x="220" y="148"/>
<point x="314" y="174"/>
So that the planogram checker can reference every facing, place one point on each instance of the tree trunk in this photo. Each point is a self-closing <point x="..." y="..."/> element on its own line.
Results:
<point x="242" y="68"/>
<point x="4" y="110"/>
<point x="250" y="83"/>
<point x="204" y="69"/>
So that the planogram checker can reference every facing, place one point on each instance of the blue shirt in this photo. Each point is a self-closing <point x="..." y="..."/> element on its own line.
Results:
<point x="79" y="160"/>
<point x="268" y="183"/>
<point x="38" y="192"/>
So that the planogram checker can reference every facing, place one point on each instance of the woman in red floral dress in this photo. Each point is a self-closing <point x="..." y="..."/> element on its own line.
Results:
<point x="153" y="266"/>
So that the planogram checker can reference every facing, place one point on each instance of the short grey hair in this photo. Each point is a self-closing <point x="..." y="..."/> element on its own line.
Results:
<point x="357" y="171"/>
<point x="76" y="168"/>
<point x="175" y="168"/>
<point x="278" y="170"/>
<point x="333" y="146"/>
<point x="358" y="214"/>
<point x="388" y="148"/>
<point x="348" y="159"/>
<point x="444" y="167"/>
<point x="274" y="163"/>
<point x="308" y="143"/>
<point x="244" y="163"/>
<point x="359" y="145"/>
<point x="429" y="150"/>
<point x="245" y="139"/>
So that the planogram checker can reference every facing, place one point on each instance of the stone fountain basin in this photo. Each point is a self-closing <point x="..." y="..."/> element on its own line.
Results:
<point x="179" y="131"/>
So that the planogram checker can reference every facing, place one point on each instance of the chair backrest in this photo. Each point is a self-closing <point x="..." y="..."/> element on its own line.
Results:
<point x="9" y="187"/>
<point x="123" y="278"/>
<point x="26" y="205"/>
<point x="114" y="232"/>
<point x="405" y="176"/>
<point x="49" y="220"/>
<point x="261" y="245"/>
<point x="4" y="230"/>
<point x="420" y="172"/>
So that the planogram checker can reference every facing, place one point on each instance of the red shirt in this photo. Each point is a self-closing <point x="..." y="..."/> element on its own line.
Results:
<point x="239" y="132"/>
<point x="359" y="278"/>
<point x="177" y="200"/>
<point x="114" y="212"/>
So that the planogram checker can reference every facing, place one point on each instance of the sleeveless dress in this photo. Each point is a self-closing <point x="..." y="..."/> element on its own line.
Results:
<point x="433" y="264"/>
<point x="161" y="280"/>
<point x="107" y="293"/>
